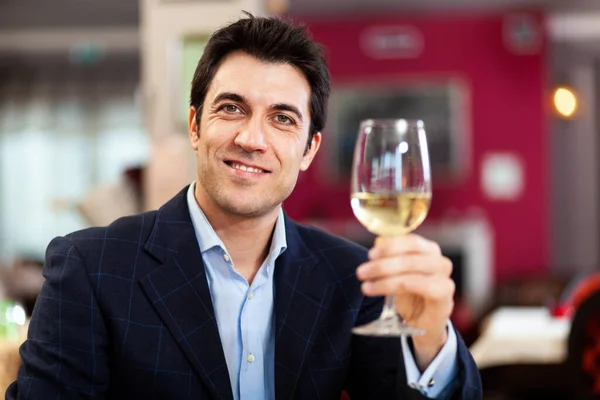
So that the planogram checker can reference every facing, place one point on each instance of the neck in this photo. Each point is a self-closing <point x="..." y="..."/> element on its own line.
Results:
<point x="247" y="239"/>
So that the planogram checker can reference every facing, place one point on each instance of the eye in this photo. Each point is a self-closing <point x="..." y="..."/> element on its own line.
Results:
<point x="284" y="119"/>
<point x="231" y="109"/>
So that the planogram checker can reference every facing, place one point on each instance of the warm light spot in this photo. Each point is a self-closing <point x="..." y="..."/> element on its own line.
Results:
<point x="565" y="102"/>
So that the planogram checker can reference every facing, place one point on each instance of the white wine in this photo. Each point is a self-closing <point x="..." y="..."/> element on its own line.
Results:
<point x="391" y="214"/>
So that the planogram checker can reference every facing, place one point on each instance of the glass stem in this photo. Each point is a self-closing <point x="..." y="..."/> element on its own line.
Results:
<point x="389" y="309"/>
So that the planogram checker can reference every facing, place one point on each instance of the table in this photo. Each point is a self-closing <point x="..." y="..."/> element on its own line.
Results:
<point x="9" y="362"/>
<point x="521" y="335"/>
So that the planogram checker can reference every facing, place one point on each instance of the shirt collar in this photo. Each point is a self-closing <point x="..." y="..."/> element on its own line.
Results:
<point x="208" y="238"/>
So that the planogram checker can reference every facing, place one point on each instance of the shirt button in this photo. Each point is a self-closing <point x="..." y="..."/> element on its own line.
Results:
<point x="250" y="296"/>
<point x="431" y="383"/>
<point x="226" y="257"/>
<point x="250" y="358"/>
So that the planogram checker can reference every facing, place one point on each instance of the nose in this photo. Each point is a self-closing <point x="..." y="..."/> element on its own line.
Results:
<point x="251" y="136"/>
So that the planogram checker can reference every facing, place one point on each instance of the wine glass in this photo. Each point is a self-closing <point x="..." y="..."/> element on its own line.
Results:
<point x="391" y="194"/>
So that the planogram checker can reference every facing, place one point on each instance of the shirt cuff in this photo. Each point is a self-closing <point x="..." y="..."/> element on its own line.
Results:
<point x="439" y="374"/>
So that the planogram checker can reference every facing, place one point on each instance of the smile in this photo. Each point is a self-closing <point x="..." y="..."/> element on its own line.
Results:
<point x="246" y="168"/>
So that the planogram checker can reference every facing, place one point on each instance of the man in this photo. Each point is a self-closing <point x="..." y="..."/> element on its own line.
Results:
<point x="218" y="295"/>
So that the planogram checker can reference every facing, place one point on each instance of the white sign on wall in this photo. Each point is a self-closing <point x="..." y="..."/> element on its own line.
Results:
<point x="502" y="176"/>
<point x="395" y="41"/>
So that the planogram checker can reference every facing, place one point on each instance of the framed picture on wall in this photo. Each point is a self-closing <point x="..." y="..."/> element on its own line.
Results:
<point x="442" y="105"/>
<point x="188" y="53"/>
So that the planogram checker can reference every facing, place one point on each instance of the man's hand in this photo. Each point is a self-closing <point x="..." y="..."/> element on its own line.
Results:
<point x="414" y="270"/>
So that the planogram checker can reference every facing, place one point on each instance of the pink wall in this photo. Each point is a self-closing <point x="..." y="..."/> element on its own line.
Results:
<point x="507" y="114"/>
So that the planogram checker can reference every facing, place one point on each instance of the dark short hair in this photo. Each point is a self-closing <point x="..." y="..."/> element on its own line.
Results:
<point x="272" y="40"/>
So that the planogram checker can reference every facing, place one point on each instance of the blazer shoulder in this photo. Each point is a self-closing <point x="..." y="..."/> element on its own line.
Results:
<point x="126" y="228"/>
<point x="90" y="242"/>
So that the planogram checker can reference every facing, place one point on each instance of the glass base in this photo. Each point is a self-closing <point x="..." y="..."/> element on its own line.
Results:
<point x="387" y="327"/>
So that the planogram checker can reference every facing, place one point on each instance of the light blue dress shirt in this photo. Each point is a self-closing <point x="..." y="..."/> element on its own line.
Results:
<point x="244" y="315"/>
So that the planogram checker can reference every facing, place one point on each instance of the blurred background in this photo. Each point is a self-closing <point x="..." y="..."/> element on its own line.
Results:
<point x="93" y="110"/>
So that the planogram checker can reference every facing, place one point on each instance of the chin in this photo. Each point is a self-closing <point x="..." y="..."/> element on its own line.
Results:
<point x="249" y="211"/>
<point x="248" y="203"/>
<point x="247" y="207"/>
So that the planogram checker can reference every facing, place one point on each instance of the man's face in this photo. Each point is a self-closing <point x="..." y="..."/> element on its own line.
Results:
<point x="252" y="138"/>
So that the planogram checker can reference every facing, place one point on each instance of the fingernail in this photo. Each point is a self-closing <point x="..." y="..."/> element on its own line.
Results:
<point x="373" y="253"/>
<point x="367" y="287"/>
<point x="360" y="271"/>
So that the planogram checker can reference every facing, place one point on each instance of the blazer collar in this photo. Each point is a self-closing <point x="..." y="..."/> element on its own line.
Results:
<point x="303" y="290"/>
<point x="178" y="290"/>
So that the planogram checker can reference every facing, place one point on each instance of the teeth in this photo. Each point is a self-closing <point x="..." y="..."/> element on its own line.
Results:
<point x="245" y="168"/>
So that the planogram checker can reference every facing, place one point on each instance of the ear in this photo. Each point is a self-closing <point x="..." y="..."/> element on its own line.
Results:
<point x="315" y="143"/>
<point x="193" y="129"/>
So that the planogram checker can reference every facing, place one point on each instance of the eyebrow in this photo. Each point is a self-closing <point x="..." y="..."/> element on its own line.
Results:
<point x="229" y="96"/>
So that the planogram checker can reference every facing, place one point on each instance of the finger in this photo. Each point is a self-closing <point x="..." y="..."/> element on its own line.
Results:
<point x="427" y="286"/>
<point x="417" y="263"/>
<point x="386" y="246"/>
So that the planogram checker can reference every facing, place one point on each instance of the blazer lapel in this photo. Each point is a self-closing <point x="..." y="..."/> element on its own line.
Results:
<point x="179" y="292"/>
<point x="302" y="295"/>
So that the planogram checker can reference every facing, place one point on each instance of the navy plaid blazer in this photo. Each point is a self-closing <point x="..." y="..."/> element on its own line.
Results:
<point x="126" y="313"/>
